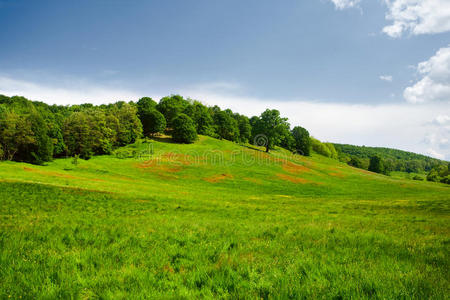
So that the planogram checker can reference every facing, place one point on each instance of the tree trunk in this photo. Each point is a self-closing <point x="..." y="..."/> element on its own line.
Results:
<point x="267" y="149"/>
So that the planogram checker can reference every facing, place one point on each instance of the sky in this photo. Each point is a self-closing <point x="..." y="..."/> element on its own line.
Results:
<point x="364" y="72"/>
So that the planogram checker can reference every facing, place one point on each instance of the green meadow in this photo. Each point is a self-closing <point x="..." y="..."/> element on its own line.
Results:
<point x="219" y="220"/>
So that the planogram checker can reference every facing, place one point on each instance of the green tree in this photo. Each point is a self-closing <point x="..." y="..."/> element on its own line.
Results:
<point x="245" y="129"/>
<point x="302" y="141"/>
<point x="130" y="127"/>
<point x="333" y="152"/>
<point x="271" y="128"/>
<point x="320" y="148"/>
<point x="183" y="129"/>
<point x="202" y="118"/>
<point x="171" y="107"/>
<point x="145" y="104"/>
<point x="153" y="122"/>
<point x="356" y="162"/>
<point x="226" y="126"/>
<point x="376" y="164"/>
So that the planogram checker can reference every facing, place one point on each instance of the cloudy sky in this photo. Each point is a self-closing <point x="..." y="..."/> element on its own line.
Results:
<point x="366" y="72"/>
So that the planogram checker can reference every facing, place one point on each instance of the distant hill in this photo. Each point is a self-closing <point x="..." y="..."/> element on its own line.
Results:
<point x="398" y="160"/>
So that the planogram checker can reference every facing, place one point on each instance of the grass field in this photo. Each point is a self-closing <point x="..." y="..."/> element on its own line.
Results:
<point x="219" y="220"/>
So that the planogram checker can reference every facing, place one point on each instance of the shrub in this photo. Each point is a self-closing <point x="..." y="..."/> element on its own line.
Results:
<point x="320" y="148"/>
<point x="183" y="129"/>
<point x="446" y="179"/>
<point x="417" y="177"/>
<point x="433" y="176"/>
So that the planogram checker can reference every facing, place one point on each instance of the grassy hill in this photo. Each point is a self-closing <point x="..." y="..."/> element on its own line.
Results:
<point x="218" y="220"/>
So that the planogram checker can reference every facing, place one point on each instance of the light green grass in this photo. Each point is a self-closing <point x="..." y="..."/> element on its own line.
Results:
<point x="219" y="220"/>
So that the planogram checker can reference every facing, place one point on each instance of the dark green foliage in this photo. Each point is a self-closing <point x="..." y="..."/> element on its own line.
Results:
<point x="302" y="141"/>
<point x="145" y="104"/>
<point x="399" y="160"/>
<point x="245" y="129"/>
<point x="355" y="162"/>
<point x="417" y="177"/>
<point x="440" y="173"/>
<point x="226" y="126"/>
<point x="271" y="127"/>
<point x="172" y="106"/>
<point x="183" y="129"/>
<point x="202" y="118"/>
<point x="446" y="179"/>
<point x="153" y="122"/>
<point x="130" y="127"/>
<point x="376" y="164"/>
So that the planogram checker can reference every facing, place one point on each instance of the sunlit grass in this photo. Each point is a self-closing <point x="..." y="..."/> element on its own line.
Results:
<point x="215" y="219"/>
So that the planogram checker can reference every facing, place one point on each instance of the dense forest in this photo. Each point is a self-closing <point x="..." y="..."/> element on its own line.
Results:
<point x="386" y="160"/>
<point x="36" y="132"/>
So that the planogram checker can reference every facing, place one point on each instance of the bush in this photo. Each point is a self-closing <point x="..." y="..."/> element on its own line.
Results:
<point x="355" y="162"/>
<point x="446" y="179"/>
<point x="333" y="152"/>
<point x="417" y="177"/>
<point x="320" y="148"/>
<point x="183" y="129"/>
<point x="433" y="176"/>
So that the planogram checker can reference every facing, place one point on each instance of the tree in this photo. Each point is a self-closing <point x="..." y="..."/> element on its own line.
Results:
<point x="130" y="127"/>
<point x="202" y="118"/>
<point x="355" y="162"/>
<point x="376" y="164"/>
<point x="270" y="128"/>
<point x="226" y="126"/>
<point x="320" y="148"/>
<point x="333" y="152"/>
<point x="145" y="104"/>
<point x="152" y="122"/>
<point x="183" y="129"/>
<point x="171" y="107"/>
<point x="302" y="141"/>
<point x="245" y="129"/>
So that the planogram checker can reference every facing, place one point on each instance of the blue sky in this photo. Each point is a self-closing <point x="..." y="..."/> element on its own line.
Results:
<point x="347" y="70"/>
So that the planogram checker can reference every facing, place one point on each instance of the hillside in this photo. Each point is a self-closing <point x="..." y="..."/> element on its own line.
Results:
<point x="215" y="219"/>
<point x="398" y="160"/>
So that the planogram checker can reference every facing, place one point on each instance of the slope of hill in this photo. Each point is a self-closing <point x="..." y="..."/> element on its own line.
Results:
<point x="398" y="160"/>
<point x="215" y="219"/>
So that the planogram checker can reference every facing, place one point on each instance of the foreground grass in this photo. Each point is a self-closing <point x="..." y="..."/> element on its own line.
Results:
<point x="217" y="220"/>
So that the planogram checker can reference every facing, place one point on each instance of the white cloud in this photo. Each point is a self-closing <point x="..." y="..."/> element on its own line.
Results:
<point x="417" y="17"/>
<point x="386" y="78"/>
<point x="435" y="83"/>
<point x="442" y="120"/>
<point x="371" y="125"/>
<point x="433" y="153"/>
<point x="343" y="4"/>
<point x="75" y="93"/>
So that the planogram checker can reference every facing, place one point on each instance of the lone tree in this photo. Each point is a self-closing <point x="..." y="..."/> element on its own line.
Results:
<point x="376" y="164"/>
<point x="269" y="129"/>
<point x="152" y="122"/>
<point x="183" y="129"/>
<point x="302" y="141"/>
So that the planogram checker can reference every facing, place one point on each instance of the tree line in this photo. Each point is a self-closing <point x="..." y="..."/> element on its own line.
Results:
<point x="36" y="132"/>
<point x="387" y="160"/>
